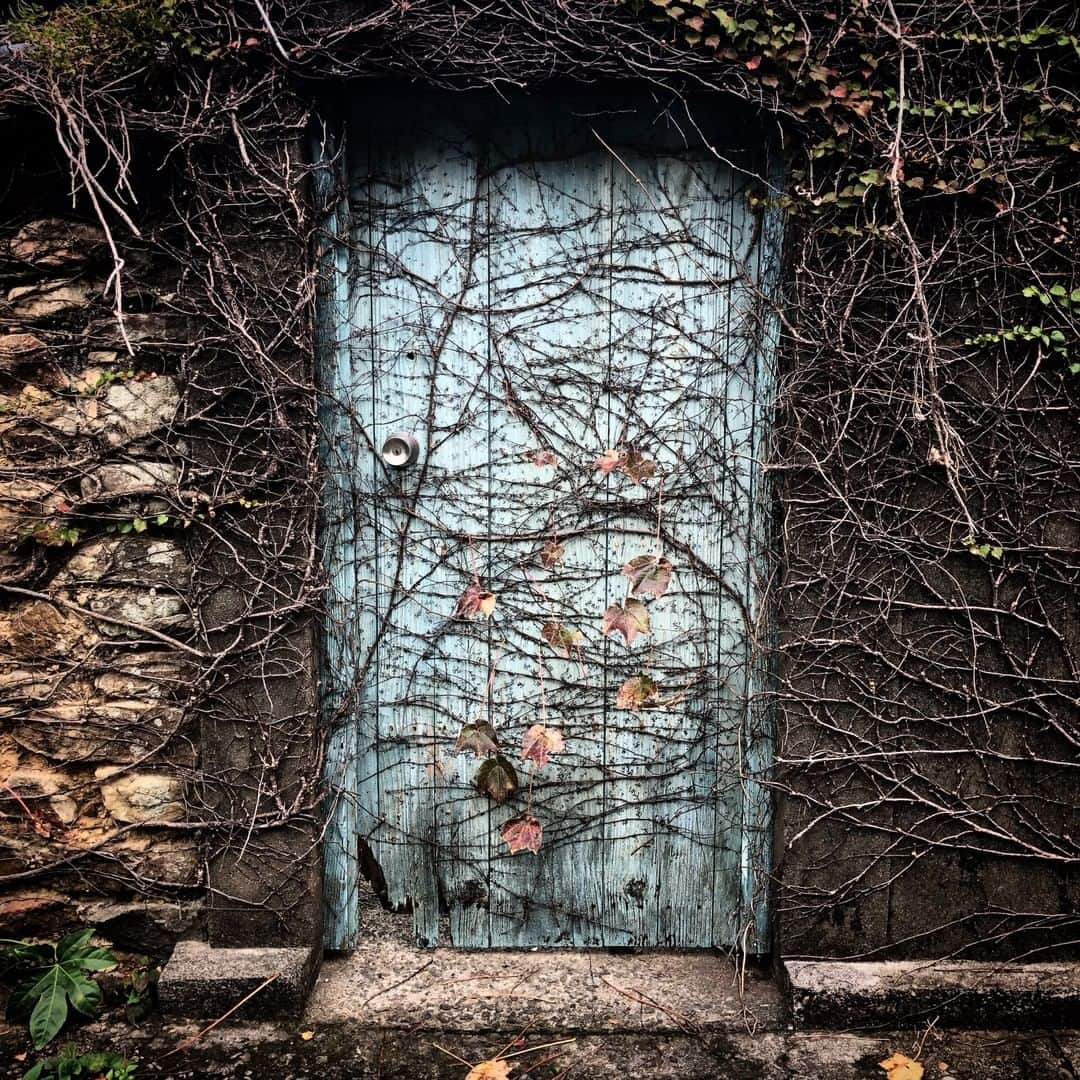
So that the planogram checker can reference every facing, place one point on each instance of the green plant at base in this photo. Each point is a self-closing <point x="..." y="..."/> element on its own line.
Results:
<point x="52" y="977"/>
<point x="92" y="1064"/>
<point x="140" y="997"/>
<point x="49" y="534"/>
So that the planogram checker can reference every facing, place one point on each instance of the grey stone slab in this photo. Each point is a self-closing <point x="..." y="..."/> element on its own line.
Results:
<point x="955" y="993"/>
<point x="393" y="985"/>
<point x="205" y="982"/>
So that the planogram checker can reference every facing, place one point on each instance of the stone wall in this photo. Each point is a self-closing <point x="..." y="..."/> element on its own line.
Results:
<point x="95" y="662"/>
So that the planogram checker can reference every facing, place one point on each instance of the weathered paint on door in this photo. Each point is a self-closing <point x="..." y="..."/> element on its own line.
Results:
<point x="524" y="287"/>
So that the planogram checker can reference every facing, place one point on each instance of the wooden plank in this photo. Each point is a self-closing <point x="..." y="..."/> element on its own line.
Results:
<point x="430" y="363"/>
<point x="548" y="248"/>
<point x="733" y="626"/>
<point x="338" y="546"/>
<point x="756" y="825"/>
<point x="667" y="297"/>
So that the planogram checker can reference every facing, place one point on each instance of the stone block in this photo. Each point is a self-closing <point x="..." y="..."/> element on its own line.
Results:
<point x="146" y="676"/>
<point x="50" y="299"/>
<point x="910" y="993"/>
<point x="36" y="913"/>
<point x="141" y="798"/>
<point x="143" y="926"/>
<point x="34" y="407"/>
<point x="151" y="608"/>
<point x="99" y="731"/>
<point x="171" y="862"/>
<point x="54" y="242"/>
<point x="145" y="331"/>
<point x="136" y="408"/>
<point x="128" y="560"/>
<point x="128" y="479"/>
<point x="37" y="629"/>
<point x="202" y="982"/>
<point x="18" y="349"/>
<point x="36" y="785"/>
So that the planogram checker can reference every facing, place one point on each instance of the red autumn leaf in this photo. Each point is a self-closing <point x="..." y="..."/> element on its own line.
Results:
<point x="696" y="22"/>
<point x="496" y="778"/>
<point x="649" y="574"/>
<point x="63" y="506"/>
<point x="522" y="834"/>
<point x="538" y="742"/>
<point x="607" y="461"/>
<point x="637" y="466"/>
<point x="475" y="601"/>
<point x="480" y="738"/>
<point x="544" y="457"/>
<point x="551" y="553"/>
<point x="629" y="619"/>
<point x="561" y="639"/>
<point x="753" y="62"/>
<point x="638" y="692"/>
<point x="840" y="91"/>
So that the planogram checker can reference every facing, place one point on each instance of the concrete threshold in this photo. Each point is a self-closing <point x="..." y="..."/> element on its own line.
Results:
<point x="391" y="986"/>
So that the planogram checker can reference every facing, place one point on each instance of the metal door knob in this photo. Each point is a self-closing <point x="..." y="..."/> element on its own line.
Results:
<point x="401" y="448"/>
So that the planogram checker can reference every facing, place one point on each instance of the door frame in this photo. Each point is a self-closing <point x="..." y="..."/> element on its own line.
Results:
<point x="342" y="869"/>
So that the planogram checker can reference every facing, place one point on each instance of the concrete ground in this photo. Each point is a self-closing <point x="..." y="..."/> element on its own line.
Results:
<point x="345" y="1051"/>
<point x="393" y="1012"/>
<point x="388" y="1012"/>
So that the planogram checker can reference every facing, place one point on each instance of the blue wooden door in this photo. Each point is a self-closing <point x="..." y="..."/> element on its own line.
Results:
<point x="540" y="652"/>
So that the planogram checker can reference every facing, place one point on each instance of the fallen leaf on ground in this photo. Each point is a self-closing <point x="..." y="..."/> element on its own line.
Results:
<point x="522" y="834"/>
<point x="307" y="1035"/>
<point x="538" y="742"/>
<point x="490" y="1070"/>
<point x="475" y="601"/>
<point x="496" y="778"/>
<point x="901" y="1067"/>
<point x="629" y="619"/>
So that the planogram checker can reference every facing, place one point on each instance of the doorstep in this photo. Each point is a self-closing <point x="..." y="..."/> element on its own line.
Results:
<point x="391" y="985"/>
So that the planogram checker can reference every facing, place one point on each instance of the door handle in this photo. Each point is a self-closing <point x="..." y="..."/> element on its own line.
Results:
<point x="400" y="449"/>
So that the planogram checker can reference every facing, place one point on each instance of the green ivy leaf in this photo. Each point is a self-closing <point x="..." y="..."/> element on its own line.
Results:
<point x="51" y="1009"/>
<point x="83" y="993"/>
